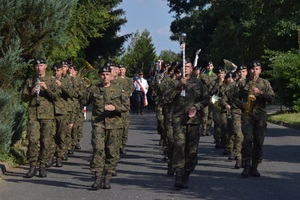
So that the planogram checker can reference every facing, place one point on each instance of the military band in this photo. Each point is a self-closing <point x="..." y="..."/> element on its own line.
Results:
<point x="228" y="103"/>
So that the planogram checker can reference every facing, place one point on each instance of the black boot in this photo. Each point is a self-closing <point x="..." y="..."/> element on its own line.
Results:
<point x="58" y="162"/>
<point x="254" y="172"/>
<point x="97" y="183"/>
<point x="247" y="169"/>
<point x="178" y="178"/>
<point x="123" y="150"/>
<point x="238" y="164"/>
<point x="106" y="181"/>
<point x="77" y="146"/>
<point x="31" y="172"/>
<point x="185" y="179"/>
<point x="50" y="162"/>
<point x="42" y="172"/>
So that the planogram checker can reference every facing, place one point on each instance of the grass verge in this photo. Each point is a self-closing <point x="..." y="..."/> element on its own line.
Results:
<point x="285" y="118"/>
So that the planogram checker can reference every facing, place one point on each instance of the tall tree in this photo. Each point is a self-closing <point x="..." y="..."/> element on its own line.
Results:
<point x="110" y="44"/>
<point x="140" y="53"/>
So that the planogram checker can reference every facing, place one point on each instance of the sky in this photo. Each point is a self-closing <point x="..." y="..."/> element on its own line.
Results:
<point x="152" y="15"/>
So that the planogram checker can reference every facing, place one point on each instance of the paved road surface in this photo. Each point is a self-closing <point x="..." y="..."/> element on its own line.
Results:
<point x="142" y="172"/>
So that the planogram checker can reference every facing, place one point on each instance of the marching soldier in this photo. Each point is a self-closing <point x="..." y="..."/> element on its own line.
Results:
<point x="39" y="92"/>
<point x="189" y="97"/>
<point x="208" y="77"/>
<point x="108" y="104"/>
<point x="254" y="94"/>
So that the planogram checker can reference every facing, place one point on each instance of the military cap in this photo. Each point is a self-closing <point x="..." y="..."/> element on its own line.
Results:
<point x="254" y="64"/>
<point x="104" y="69"/>
<point x="64" y="62"/>
<point x="210" y="63"/>
<point x="56" y="66"/>
<point x="39" y="61"/>
<point x="109" y="63"/>
<point x="121" y="66"/>
<point x="242" y="67"/>
<point x="141" y="72"/>
<point x="228" y="75"/>
<point x="220" y="69"/>
<point x="196" y="68"/>
<point x="74" y="66"/>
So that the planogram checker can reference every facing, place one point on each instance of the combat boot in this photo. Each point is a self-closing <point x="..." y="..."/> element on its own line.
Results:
<point x="106" y="181"/>
<point x="254" y="172"/>
<point x="77" y="146"/>
<point x="178" y="178"/>
<point x="238" y="164"/>
<point x="123" y="150"/>
<point x="247" y="169"/>
<point x="58" y="162"/>
<point x="97" y="183"/>
<point x="185" y="179"/>
<point x="42" y="172"/>
<point x="31" y="172"/>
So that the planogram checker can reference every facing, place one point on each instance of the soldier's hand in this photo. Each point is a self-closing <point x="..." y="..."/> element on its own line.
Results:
<point x="58" y="82"/>
<point x="34" y="90"/>
<point x="256" y="91"/>
<point x="43" y="85"/>
<point x="192" y="111"/>
<point x="110" y="107"/>
<point x="228" y="107"/>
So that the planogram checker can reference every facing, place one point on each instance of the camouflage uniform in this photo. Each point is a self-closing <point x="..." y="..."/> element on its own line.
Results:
<point x="219" y="116"/>
<point x="40" y="120"/>
<point x="235" y="135"/>
<point x="207" y="112"/>
<point x="78" y="115"/>
<point x="186" y="130"/>
<point x="127" y="88"/>
<point x="63" y="108"/>
<point x="105" y="138"/>
<point x="254" y="126"/>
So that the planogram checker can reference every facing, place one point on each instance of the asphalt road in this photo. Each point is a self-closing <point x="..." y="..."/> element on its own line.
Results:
<point x="142" y="172"/>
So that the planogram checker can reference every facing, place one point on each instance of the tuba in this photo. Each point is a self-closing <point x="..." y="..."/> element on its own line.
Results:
<point x="229" y="66"/>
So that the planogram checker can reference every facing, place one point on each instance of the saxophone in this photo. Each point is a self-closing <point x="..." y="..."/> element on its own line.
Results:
<point x="250" y="100"/>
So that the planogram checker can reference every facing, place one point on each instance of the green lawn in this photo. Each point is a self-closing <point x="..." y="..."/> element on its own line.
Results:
<point x="290" y="118"/>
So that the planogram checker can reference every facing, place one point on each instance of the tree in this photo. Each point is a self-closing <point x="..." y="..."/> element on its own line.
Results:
<point x="140" y="54"/>
<point x="110" y="44"/>
<point x="169" y="55"/>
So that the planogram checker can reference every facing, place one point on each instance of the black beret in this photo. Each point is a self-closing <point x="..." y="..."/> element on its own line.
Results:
<point x="56" y="66"/>
<point x="220" y="69"/>
<point x="228" y="75"/>
<point x="104" y="69"/>
<point x="242" y="67"/>
<point x="74" y="66"/>
<point x="64" y="62"/>
<point x="254" y="64"/>
<point x="39" y="61"/>
<point x="109" y="64"/>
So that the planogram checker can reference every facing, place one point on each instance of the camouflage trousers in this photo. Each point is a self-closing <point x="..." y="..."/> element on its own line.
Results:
<point x="220" y="127"/>
<point x="186" y="139"/>
<point x="207" y="117"/>
<point x="235" y="136"/>
<point x="40" y="136"/>
<point x="160" y="124"/>
<point x="106" y="149"/>
<point x="254" y="134"/>
<point x="169" y="131"/>
<point x="63" y="133"/>
<point x="124" y="132"/>
<point x="77" y="130"/>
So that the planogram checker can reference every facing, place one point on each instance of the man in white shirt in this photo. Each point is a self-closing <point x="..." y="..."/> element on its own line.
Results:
<point x="139" y="95"/>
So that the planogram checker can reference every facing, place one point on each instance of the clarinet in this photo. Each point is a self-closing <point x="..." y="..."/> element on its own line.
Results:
<point x="38" y="89"/>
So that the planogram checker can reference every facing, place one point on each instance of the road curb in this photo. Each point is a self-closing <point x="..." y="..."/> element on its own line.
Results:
<point x="4" y="168"/>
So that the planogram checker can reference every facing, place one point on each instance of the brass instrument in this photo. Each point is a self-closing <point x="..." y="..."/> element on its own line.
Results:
<point x="87" y="81"/>
<point x="229" y="66"/>
<point x="250" y="100"/>
<point x="84" y="72"/>
<point x="215" y="101"/>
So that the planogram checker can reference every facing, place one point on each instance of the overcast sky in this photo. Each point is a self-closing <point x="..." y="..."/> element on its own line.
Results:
<point x="151" y="15"/>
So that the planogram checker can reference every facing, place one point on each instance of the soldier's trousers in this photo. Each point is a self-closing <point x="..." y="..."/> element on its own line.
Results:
<point x="61" y="134"/>
<point x="235" y="135"/>
<point x="160" y="124"/>
<point x="254" y="134"/>
<point x="40" y="135"/>
<point x="124" y="132"/>
<point x="77" y="130"/>
<point x="220" y="127"/>
<point x="106" y="150"/>
<point x="186" y="139"/>
<point x="207" y="117"/>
